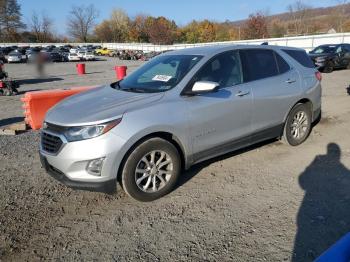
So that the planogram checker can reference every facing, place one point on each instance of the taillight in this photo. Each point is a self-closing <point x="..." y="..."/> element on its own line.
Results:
<point x="318" y="75"/>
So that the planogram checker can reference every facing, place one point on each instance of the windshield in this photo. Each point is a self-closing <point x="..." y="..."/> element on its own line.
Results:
<point x="324" y="49"/>
<point x="160" y="74"/>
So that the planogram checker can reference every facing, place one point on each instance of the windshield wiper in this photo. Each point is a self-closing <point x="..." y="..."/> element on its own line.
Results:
<point x="134" y="89"/>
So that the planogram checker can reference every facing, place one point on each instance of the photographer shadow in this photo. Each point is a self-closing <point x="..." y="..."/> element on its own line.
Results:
<point x="324" y="215"/>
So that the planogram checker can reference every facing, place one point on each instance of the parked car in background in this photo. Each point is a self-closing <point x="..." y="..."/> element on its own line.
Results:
<point x="180" y="108"/>
<point x="73" y="57"/>
<point x="8" y="49"/>
<point x="31" y="56"/>
<point x="64" y="52"/>
<point x="88" y="56"/>
<point x="113" y="53"/>
<point x="103" y="51"/>
<point x="73" y="50"/>
<point x="329" y="57"/>
<point x="81" y="53"/>
<point x="56" y="57"/>
<point x="148" y="56"/>
<point x="14" y="57"/>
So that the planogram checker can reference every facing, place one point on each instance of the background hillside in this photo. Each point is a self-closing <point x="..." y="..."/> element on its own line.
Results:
<point x="311" y="20"/>
<point x="83" y="25"/>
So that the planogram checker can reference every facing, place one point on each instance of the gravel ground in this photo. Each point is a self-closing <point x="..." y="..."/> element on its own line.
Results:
<point x="58" y="75"/>
<point x="270" y="202"/>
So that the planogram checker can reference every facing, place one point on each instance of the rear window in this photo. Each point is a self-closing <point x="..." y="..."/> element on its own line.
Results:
<point x="258" y="64"/>
<point x="301" y="57"/>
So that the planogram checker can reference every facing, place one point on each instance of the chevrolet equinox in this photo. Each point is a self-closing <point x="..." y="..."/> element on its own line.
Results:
<point x="178" y="109"/>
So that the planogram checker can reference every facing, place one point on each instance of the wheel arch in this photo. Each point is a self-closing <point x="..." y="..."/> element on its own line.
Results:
<point x="160" y="134"/>
<point x="301" y="101"/>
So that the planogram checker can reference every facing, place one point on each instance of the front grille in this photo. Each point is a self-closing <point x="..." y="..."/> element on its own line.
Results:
<point x="50" y="143"/>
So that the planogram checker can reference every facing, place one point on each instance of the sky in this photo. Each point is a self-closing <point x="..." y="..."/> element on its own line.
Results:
<point x="182" y="11"/>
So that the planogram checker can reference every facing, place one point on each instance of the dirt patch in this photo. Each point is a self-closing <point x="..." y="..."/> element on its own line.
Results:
<point x="270" y="202"/>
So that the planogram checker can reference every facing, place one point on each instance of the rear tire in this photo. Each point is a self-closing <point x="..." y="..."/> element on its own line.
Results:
<point x="298" y="125"/>
<point x="151" y="170"/>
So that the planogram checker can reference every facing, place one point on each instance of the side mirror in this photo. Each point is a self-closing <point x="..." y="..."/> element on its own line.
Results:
<point x="202" y="87"/>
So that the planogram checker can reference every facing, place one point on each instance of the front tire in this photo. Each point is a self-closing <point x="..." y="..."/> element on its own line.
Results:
<point x="298" y="125"/>
<point x="151" y="170"/>
<point x="329" y="68"/>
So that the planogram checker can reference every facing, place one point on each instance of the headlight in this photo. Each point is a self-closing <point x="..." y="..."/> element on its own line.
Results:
<point x="320" y="59"/>
<point x="86" y="132"/>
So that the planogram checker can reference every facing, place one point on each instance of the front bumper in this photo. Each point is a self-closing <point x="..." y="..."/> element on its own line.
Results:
<point x="107" y="186"/>
<point x="320" y="64"/>
<point x="13" y="60"/>
<point x="68" y="164"/>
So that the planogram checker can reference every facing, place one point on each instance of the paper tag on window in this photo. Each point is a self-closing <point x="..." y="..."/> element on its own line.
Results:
<point x="163" y="78"/>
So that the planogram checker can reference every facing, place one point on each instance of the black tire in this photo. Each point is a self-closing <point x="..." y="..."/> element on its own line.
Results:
<point x="288" y="136"/>
<point x="329" y="68"/>
<point x="128" y="177"/>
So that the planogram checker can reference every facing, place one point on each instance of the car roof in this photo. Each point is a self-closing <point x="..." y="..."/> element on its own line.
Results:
<point x="329" y="45"/>
<point x="215" y="49"/>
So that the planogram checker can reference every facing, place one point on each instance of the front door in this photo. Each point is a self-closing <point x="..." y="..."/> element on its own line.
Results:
<point x="220" y="121"/>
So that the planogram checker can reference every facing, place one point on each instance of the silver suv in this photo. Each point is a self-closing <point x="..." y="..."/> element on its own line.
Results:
<point x="180" y="108"/>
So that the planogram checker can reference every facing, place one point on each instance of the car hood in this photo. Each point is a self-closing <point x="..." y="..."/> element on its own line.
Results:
<point x="98" y="105"/>
<point x="326" y="55"/>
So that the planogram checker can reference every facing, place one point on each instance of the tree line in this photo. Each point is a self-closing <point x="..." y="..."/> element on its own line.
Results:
<point x="82" y="25"/>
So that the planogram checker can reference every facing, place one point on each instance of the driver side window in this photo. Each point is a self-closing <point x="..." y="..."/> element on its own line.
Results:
<point x="339" y="49"/>
<point x="224" y="69"/>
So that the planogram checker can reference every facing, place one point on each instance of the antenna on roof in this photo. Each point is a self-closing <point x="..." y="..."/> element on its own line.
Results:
<point x="265" y="43"/>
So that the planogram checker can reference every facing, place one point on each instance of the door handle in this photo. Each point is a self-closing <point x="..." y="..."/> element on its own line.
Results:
<point x="240" y="93"/>
<point x="290" y="81"/>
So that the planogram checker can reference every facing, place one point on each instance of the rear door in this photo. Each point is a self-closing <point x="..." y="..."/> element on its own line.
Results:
<point x="275" y="86"/>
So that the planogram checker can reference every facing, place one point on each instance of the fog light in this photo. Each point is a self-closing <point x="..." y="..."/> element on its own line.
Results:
<point x="94" y="167"/>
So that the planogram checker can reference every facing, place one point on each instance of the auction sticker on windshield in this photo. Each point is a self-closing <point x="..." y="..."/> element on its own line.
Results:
<point x="163" y="78"/>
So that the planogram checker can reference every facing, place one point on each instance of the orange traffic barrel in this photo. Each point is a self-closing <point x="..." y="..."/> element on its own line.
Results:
<point x="80" y="69"/>
<point x="120" y="71"/>
<point x="37" y="103"/>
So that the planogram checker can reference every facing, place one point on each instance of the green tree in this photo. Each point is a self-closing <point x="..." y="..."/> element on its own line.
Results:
<point x="190" y="33"/>
<point x="10" y="20"/>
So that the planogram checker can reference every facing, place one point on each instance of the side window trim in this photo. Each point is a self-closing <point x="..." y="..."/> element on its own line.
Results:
<point x="278" y="68"/>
